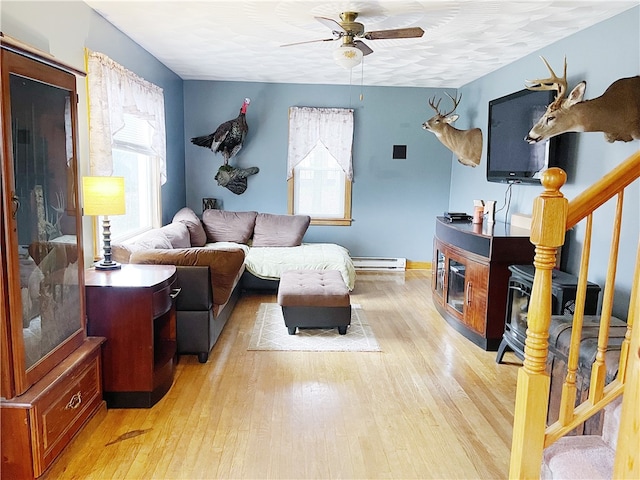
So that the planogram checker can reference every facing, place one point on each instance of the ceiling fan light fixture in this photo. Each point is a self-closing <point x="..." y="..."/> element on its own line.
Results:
<point x="347" y="56"/>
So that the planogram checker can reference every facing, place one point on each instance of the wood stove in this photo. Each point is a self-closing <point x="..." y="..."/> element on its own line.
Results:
<point x="563" y="289"/>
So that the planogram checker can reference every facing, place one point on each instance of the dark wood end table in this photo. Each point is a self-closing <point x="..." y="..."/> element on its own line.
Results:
<point x="134" y="309"/>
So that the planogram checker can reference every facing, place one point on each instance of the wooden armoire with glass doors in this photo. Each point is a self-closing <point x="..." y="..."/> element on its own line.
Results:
<point x="51" y="381"/>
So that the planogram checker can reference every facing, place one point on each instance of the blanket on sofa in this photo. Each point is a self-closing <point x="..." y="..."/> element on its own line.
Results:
<point x="270" y="262"/>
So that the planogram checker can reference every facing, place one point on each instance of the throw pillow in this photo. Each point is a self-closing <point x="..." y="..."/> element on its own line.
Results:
<point x="121" y="252"/>
<point x="178" y="234"/>
<point x="153" y="239"/>
<point x="224" y="226"/>
<point x="279" y="230"/>
<point x="194" y="225"/>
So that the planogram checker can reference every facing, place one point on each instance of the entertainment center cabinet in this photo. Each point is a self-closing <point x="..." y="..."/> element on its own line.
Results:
<point x="471" y="273"/>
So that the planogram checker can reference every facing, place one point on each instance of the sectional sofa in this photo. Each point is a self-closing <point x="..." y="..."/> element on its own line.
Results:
<point x="221" y="254"/>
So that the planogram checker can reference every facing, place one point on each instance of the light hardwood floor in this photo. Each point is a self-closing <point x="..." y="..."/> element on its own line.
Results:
<point x="430" y="405"/>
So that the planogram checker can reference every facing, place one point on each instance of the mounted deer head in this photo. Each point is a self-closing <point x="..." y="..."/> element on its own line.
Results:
<point x="466" y="144"/>
<point x="616" y="112"/>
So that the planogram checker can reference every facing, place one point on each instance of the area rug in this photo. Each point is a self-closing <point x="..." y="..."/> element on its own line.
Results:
<point x="270" y="333"/>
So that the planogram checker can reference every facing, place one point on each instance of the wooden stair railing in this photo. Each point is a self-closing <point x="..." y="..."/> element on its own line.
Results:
<point x="553" y="215"/>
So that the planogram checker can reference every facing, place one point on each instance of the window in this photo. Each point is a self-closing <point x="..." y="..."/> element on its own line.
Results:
<point x="319" y="164"/>
<point x="133" y="159"/>
<point x="127" y="138"/>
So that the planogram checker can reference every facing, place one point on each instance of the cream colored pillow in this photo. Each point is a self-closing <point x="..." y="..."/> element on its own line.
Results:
<point x="178" y="234"/>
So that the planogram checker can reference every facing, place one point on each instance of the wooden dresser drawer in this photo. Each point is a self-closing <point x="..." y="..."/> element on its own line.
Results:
<point x="53" y="410"/>
<point x="60" y="413"/>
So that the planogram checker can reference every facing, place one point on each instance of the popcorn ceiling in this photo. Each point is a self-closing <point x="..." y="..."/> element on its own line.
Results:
<point x="240" y="40"/>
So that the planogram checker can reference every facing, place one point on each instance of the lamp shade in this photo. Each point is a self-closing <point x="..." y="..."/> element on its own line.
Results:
<point x="347" y="56"/>
<point x="103" y="195"/>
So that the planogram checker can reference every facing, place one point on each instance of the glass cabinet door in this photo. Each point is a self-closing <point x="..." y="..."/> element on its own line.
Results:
<point x="45" y="219"/>
<point x="44" y="228"/>
<point x="455" y="287"/>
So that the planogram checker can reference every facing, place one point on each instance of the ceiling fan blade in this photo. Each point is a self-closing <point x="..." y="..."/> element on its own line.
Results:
<point x="310" y="41"/>
<point x="363" y="47"/>
<point x="411" y="32"/>
<point x="331" y="23"/>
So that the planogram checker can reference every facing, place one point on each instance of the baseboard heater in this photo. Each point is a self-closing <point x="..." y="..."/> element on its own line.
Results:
<point x="379" y="263"/>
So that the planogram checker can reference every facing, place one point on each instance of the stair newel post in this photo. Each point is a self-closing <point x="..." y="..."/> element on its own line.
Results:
<point x="532" y="393"/>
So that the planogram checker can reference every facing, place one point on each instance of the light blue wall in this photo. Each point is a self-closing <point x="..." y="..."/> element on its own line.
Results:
<point x="599" y="55"/>
<point x="394" y="201"/>
<point x="64" y="29"/>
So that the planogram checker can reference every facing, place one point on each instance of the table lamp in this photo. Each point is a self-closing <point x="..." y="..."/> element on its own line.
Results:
<point x="104" y="196"/>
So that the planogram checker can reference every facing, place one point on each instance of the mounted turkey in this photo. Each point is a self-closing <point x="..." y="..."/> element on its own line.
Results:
<point x="228" y="137"/>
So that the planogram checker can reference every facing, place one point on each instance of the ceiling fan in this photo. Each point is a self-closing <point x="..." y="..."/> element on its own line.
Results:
<point x="352" y="49"/>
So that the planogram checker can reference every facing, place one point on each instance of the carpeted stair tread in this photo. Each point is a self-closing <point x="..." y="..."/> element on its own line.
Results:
<point x="611" y="423"/>
<point x="579" y="457"/>
<point x="585" y="456"/>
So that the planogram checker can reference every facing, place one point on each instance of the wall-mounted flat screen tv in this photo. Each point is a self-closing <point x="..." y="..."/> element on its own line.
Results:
<point x="510" y="158"/>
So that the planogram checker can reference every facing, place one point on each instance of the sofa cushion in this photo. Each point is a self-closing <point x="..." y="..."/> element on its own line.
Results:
<point x="279" y="230"/>
<point x="121" y="252"/>
<point x="224" y="226"/>
<point x="194" y="225"/>
<point x="224" y="265"/>
<point x="178" y="234"/>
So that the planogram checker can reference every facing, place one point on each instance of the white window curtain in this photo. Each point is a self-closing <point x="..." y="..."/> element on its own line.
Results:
<point x="333" y="127"/>
<point x="115" y="91"/>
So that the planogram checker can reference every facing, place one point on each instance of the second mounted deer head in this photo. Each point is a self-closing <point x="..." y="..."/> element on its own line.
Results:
<point x="616" y="112"/>
<point x="466" y="144"/>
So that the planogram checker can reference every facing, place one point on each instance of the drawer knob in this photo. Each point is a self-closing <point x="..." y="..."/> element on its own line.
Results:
<point x="75" y="401"/>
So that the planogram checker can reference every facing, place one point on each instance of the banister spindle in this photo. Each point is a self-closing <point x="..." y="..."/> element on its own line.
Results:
<point x="569" y="390"/>
<point x="599" y="369"/>
<point x="634" y="307"/>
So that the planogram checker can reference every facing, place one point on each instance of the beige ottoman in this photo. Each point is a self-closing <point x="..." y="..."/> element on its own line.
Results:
<point x="314" y="299"/>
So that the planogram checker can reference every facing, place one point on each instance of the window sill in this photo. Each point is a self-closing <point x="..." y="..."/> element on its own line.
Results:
<point x="341" y="222"/>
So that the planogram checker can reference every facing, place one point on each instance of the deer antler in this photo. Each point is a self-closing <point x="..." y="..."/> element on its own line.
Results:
<point x="435" y="106"/>
<point x="455" y="104"/>
<point x="455" y="101"/>
<point x="552" y="83"/>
